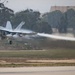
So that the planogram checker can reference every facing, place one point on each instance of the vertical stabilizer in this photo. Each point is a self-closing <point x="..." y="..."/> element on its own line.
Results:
<point x="20" y="25"/>
<point x="8" y="25"/>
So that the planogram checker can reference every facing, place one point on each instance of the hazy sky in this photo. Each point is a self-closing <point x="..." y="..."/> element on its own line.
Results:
<point x="39" y="5"/>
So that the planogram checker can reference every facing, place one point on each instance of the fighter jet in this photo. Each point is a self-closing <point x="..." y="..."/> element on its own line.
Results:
<point x="15" y="34"/>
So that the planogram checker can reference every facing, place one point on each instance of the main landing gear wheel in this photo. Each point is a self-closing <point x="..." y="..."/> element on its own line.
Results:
<point x="10" y="42"/>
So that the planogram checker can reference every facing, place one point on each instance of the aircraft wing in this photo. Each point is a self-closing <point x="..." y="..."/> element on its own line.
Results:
<point x="24" y="32"/>
<point x="4" y="29"/>
<point x="21" y="31"/>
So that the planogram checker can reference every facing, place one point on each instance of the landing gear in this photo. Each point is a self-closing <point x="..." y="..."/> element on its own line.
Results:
<point x="10" y="42"/>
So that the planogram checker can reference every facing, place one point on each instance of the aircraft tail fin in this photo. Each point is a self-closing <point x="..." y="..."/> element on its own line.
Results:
<point x="20" y="25"/>
<point x="8" y="25"/>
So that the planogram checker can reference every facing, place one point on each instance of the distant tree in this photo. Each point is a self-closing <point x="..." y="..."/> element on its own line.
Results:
<point x="45" y="17"/>
<point x="29" y="16"/>
<point x="57" y="20"/>
<point x="43" y="27"/>
<point x="62" y="28"/>
<point x="70" y="14"/>
<point x="5" y="14"/>
<point x="54" y="18"/>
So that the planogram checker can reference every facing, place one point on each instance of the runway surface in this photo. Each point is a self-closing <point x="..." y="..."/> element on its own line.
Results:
<point x="38" y="71"/>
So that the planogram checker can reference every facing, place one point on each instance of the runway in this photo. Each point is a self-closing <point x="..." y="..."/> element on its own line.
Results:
<point x="38" y="71"/>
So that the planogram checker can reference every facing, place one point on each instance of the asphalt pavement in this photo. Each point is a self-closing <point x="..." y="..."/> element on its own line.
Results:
<point x="38" y="71"/>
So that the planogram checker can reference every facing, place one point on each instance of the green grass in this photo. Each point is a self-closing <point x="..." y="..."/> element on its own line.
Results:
<point x="39" y="54"/>
<point x="36" y="54"/>
<point x="37" y="64"/>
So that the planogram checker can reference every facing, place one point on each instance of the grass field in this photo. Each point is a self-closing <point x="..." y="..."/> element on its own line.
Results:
<point x="39" y="54"/>
<point x="52" y="57"/>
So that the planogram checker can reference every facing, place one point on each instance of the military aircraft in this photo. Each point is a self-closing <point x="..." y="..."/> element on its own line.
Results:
<point x="20" y="34"/>
<point x="15" y="34"/>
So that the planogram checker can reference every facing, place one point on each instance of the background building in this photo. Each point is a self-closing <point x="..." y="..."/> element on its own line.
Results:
<point x="61" y="8"/>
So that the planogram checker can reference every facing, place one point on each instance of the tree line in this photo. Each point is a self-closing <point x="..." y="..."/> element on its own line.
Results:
<point x="61" y="21"/>
<point x="40" y="23"/>
<point x="33" y="21"/>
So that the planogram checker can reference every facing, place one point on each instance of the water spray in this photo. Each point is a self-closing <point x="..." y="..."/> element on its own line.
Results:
<point x="56" y="37"/>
